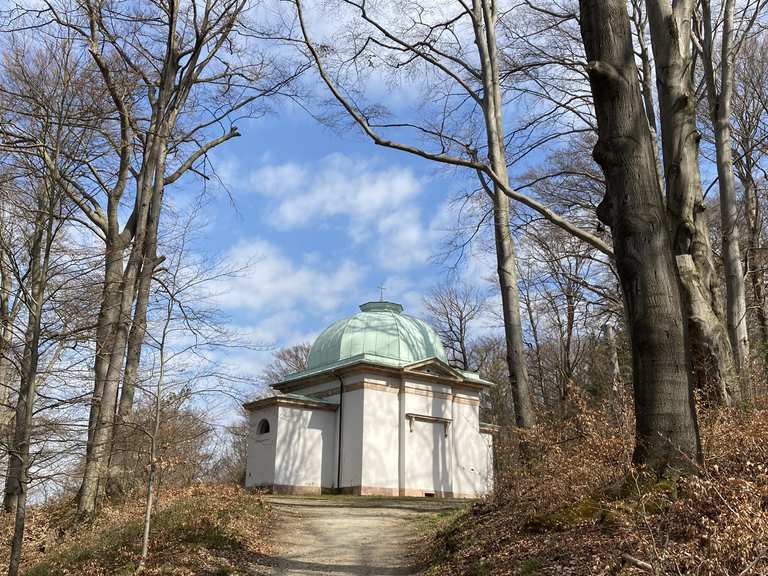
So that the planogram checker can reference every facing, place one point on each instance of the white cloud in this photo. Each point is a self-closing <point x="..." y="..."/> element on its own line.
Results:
<point x="338" y="185"/>
<point x="275" y="301"/>
<point x="403" y="241"/>
<point x="276" y="180"/>
<point x="271" y="281"/>
<point x="378" y="204"/>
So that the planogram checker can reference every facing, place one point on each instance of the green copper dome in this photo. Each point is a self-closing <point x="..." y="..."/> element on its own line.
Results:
<point x="379" y="329"/>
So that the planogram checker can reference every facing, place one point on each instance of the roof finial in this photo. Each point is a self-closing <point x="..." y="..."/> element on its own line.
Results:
<point x="381" y="288"/>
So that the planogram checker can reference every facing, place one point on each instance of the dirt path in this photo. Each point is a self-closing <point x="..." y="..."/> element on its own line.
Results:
<point x="351" y="536"/>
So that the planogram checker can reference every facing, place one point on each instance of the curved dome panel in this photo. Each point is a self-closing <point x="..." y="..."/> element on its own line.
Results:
<point x="379" y="329"/>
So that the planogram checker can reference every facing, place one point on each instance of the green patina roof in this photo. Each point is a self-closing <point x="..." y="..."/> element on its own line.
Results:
<point x="379" y="330"/>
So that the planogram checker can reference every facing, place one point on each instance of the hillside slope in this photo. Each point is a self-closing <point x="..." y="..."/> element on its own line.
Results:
<point x="208" y="529"/>
<point x="569" y="503"/>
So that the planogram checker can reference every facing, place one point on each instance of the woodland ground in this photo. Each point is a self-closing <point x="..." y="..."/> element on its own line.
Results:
<point x="211" y="530"/>
<point x="219" y="530"/>
<point x="568" y="503"/>
<point x="338" y="536"/>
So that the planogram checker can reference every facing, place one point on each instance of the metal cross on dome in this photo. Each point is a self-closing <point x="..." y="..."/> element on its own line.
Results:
<point x="381" y="288"/>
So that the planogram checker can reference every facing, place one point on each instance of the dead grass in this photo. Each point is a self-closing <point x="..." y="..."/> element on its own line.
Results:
<point x="216" y="530"/>
<point x="569" y="503"/>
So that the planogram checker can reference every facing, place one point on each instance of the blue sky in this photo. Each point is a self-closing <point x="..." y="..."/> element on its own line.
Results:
<point x="322" y="218"/>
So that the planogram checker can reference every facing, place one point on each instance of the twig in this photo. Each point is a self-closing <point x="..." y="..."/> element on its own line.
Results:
<point x="751" y="565"/>
<point x="637" y="563"/>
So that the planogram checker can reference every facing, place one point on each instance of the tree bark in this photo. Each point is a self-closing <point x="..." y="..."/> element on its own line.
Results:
<point x="17" y="479"/>
<point x="754" y="266"/>
<point x="108" y="334"/>
<point x="712" y="354"/>
<point x="34" y="299"/>
<point x="641" y="22"/>
<point x="139" y="323"/>
<point x="6" y="330"/>
<point x="666" y="428"/>
<point x="485" y="36"/>
<point x="720" y="103"/>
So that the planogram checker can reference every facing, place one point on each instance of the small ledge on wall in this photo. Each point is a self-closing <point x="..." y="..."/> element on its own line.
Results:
<point x="423" y="418"/>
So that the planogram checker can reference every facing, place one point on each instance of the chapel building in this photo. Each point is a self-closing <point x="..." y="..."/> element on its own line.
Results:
<point x="377" y="411"/>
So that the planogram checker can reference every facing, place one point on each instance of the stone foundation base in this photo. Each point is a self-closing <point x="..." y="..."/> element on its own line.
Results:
<point x="298" y="490"/>
<point x="293" y="490"/>
<point x="407" y="493"/>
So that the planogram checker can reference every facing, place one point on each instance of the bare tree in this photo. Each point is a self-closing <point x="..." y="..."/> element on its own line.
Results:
<point x="750" y="119"/>
<point x="719" y="82"/>
<point x="40" y="103"/>
<point x="670" y="31"/>
<point x="35" y="281"/>
<point x="172" y="75"/>
<point x="453" y="308"/>
<point x="286" y="361"/>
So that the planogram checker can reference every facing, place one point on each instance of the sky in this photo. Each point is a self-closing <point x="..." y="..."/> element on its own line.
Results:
<point x="317" y="220"/>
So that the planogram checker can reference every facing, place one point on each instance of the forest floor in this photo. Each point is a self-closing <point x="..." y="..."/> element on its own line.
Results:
<point x="345" y="536"/>
<point x="211" y="530"/>
<point x="568" y="502"/>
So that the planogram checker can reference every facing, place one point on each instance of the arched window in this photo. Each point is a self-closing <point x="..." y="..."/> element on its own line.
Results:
<point x="263" y="427"/>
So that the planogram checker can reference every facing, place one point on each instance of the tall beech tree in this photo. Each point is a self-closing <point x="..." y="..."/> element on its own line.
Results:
<point x="666" y="427"/>
<point x="671" y="41"/>
<point x="453" y="46"/>
<point x="750" y="131"/>
<point x="718" y="72"/>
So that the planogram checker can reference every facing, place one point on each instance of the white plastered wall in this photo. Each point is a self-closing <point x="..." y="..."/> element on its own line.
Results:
<point x="260" y="449"/>
<point x="428" y="451"/>
<point x="473" y="464"/>
<point x="305" y="447"/>
<point x="381" y="412"/>
<point x="352" y="438"/>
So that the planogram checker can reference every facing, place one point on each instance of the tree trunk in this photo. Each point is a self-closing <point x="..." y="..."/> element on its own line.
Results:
<point x="6" y="331"/>
<point x="18" y="460"/>
<point x="102" y="402"/>
<point x="753" y="263"/>
<point x="666" y="428"/>
<point x="17" y="479"/>
<point x="139" y="324"/>
<point x="154" y="437"/>
<point x="720" y="115"/>
<point x="640" y="23"/>
<point x="712" y="355"/>
<point x="120" y="300"/>
<point x="513" y="327"/>
<point x="135" y="342"/>
<point x="485" y="36"/>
